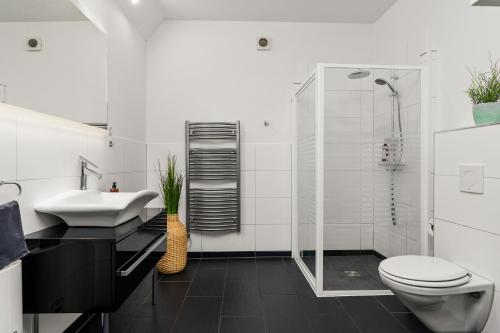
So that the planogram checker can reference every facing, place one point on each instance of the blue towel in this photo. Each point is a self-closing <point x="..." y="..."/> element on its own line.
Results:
<point x="12" y="241"/>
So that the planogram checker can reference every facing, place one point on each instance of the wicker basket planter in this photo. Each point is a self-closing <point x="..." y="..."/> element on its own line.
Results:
<point x="174" y="260"/>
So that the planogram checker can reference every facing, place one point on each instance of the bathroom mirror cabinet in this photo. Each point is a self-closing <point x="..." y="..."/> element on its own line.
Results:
<point x="53" y="60"/>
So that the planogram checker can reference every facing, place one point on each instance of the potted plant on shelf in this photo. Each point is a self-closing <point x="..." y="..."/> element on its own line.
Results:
<point x="170" y="181"/>
<point x="484" y="92"/>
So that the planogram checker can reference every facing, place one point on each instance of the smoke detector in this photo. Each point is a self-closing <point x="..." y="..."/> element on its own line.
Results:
<point x="263" y="44"/>
<point x="33" y="44"/>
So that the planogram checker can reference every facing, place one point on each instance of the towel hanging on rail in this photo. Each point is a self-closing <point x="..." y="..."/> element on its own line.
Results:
<point x="12" y="241"/>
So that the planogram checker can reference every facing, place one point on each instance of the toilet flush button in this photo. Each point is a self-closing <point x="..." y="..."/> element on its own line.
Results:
<point x="472" y="178"/>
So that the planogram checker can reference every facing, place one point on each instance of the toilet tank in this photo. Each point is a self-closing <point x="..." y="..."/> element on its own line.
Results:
<point x="11" y="306"/>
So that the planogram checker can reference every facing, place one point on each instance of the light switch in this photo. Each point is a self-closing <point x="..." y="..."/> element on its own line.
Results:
<point x="472" y="178"/>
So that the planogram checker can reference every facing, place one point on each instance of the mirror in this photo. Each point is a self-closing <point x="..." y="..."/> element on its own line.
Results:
<point x="53" y="60"/>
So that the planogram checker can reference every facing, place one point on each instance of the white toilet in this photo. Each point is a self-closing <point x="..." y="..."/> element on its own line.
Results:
<point x="444" y="296"/>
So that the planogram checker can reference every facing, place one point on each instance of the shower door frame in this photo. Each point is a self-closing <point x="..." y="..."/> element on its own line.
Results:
<point x="318" y="75"/>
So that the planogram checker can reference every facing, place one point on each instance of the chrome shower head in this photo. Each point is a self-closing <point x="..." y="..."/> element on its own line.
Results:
<point x="359" y="74"/>
<point x="382" y="82"/>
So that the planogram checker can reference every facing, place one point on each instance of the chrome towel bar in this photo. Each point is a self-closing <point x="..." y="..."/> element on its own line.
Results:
<point x="213" y="176"/>
<point x="19" y="188"/>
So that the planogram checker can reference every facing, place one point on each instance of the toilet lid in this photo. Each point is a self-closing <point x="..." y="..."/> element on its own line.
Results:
<point x="423" y="269"/>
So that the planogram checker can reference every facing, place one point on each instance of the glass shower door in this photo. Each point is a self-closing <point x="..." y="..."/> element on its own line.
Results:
<point x="306" y="174"/>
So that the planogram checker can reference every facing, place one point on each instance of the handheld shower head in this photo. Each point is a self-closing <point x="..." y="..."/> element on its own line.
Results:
<point x="382" y="82"/>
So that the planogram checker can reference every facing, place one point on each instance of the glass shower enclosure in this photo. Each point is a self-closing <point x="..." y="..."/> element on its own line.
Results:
<point x="358" y="174"/>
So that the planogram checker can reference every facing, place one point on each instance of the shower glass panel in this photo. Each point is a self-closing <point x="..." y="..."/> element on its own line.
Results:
<point x="306" y="167"/>
<point x="358" y="174"/>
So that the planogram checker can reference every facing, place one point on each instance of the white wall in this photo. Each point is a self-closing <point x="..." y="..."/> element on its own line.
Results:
<point x="445" y="36"/>
<point x="460" y="34"/>
<point x="466" y="225"/>
<point x="41" y="151"/>
<point x="206" y="71"/>
<point x="67" y="78"/>
<point x="349" y="161"/>
<point x="201" y="70"/>
<point x="357" y="189"/>
<point x="403" y="236"/>
<point x="126" y="67"/>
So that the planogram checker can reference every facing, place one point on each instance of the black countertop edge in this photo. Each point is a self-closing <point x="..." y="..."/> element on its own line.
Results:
<point x="63" y="232"/>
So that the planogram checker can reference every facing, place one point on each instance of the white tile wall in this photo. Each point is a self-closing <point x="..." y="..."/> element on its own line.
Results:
<point x="273" y="157"/>
<point x="273" y="210"/>
<point x="468" y="209"/>
<point x="248" y="184"/>
<point x="55" y="146"/>
<point x="160" y="151"/>
<point x="479" y="252"/>
<point x="403" y="237"/>
<point x="336" y="79"/>
<point x="477" y="146"/>
<point x="340" y="104"/>
<point x="366" y="236"/>
<point x="349" y="164"/>
<point x="248" y="211"/>
<point x="470" y="220"/>
<point x="265" y="199"/>
<point x="343" y="156"/>
<point x="273" y="184"/>
<point x="41" y="153"/>
<point x="242" y="241"/>
<point x="342" y="237"/>
<point x="247" y="156"/>
<point x="343" y="130"/>
<point x="273" y="238"/>
<point x="8" y="128"/>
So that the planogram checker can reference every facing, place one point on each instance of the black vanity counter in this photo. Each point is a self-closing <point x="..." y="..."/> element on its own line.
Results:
<point x="90" y="269"/>
<point x="63" y="232"/>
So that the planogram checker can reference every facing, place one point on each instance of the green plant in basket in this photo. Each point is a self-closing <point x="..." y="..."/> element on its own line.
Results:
<point x="175" y="257"/>
<point x="170" y="184"/>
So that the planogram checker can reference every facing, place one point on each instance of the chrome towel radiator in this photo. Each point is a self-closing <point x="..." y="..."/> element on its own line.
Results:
<point x="213" y="176"/>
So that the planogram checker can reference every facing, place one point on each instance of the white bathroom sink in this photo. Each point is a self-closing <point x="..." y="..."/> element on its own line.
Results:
<point x="96" y="209"/>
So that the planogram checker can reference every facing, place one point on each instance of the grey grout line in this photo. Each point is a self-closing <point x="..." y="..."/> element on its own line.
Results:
<point x="284" y="265"/>
<point x="185" y="296"/>
<point x="392" y="314"/>
<point x="348" y="314"/>
<point x="223" y="293"/>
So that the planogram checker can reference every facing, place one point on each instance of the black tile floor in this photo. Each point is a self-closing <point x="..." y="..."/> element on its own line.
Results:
<point x="349" y="272"/>
<point x="252" y="296"/>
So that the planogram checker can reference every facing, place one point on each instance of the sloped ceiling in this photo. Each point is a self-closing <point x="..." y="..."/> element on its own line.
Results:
<point x="39" y="11"/>
<point x="147" y="15"/>
<point x="333" y="11"/>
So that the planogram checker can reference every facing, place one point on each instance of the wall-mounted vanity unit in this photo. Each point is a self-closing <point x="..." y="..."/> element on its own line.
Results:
<point x="90" y="269"/>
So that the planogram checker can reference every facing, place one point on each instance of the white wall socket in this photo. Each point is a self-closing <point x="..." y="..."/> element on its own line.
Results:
<point x="471" y="178"/>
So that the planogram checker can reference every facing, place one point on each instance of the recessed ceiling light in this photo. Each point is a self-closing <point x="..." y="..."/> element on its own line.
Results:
<point x="134" y="2"/>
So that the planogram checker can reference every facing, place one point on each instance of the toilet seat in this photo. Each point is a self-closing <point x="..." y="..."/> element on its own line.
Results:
<point x="424" y="272"/>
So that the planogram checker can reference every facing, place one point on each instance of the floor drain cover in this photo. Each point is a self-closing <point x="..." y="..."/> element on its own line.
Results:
<point x="352" y="273"/>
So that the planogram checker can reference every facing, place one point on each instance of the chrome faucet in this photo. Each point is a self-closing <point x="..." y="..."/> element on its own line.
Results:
<point x="84" y="170"/>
